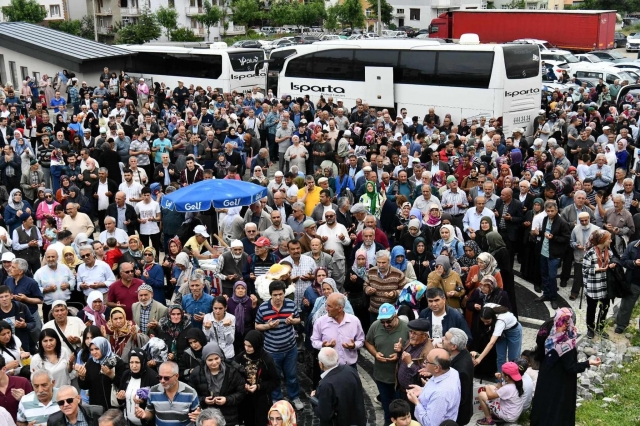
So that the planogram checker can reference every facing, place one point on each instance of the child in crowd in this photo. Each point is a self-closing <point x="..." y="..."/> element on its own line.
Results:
<point x="50" y="234"/>
<point x="400" y="412"/>
<point x="505" y="401"/>
<point x="113" y="254"/>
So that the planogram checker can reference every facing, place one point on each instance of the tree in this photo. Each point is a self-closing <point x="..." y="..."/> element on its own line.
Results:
<point x="24" y="11"/>
<point x="168" y="19"/>
<point x="144" y="31"/>
<point x="308" y="14"/>
<point x="245" y="11"/>
<point x="183" y="34"/>
<point x="88" y="30"/>
<point x="331" y="22"/>
<point x="351" y="13"/>
<point x="386" y="10"/>
<point x="211" y="16"/>
<point x="73" y="26"/>
<point x="515" y="4"/>
<point x="281" y="13"/>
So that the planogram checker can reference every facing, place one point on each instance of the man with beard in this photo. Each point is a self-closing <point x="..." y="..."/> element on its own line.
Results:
<point x="335" y="237"/>
<point x="418" y="347"/>
<point x="231" y="265"/>
<point x="455" y="343"/>
<point x="131" y="188"/>
<point x="147" y="312"/>
<point x="310" y="228"/>
<point x="380" y="237"/>
<point x="278" y="230"/>
<point x="322" y="257"/>
<point x="55" y="279"/>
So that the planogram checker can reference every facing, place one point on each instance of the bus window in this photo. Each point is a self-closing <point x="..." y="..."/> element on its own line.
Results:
<point x="416" y="67"/>
<point x="327" y="65"/>
<point x="278" y="58"/>
<point x="464" y="69"/>
<point x="373" y="58"/>
<point x="521" y="61"/>
<point x="176" y="64"/>
<point x="245" y="61"/>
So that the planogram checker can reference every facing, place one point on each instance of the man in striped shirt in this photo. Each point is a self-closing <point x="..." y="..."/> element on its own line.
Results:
<point x="454" y="202"/>
<point x="36" y="407"/>
<point x="276" y="318"/>
<point x="172" y="402"/>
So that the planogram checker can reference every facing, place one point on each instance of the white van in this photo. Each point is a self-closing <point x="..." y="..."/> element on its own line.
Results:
<point x="609" y="75"/>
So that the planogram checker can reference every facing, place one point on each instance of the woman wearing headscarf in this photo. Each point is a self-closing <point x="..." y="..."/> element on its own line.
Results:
<point x="610" y="155"/>
<point x="16" y="205"/>
<point x="192" y="356"/>
<point x="172" y="328"/>
<point x="486" y="292"/>
<point x="399" y="261"/>
<point x="283" y="414"/>
<point x="219" y="383"/>
<point x="138" y="376"/>
<point x="314" y="291"/>
<point x="411" y="233"/>
<point x="471" y="181"/>
<point x="261" y="378"/>
<point x="45" y="208"/>
<point x="412" y="295"/>
<point x="433" y="222"/>
<point x="401" y="218"/>
<point x="486" y="226"/>
<point x="94" y="310"/>
<point x="486" y="265"/>
<point x="622" y="155"/>
<point x="123" y="334"/>
<point x="353" y="285"/>
<point x="61" y="126"/>
<point x="498" y="249"/>
<point x="133" y="254"/>
<point x="421" y="258"/>
<point x="182" y="269"/>
<point x="80" y="240"/>
<point x="448" y="280"/>
<point x="469" y="259"/>
<point x="243" y="308"/>
<point x="76" y="197"/>
<point x="597" y="261"/>
<point x="153" y="275"/>
<point x="175" y="248"/>
<point x="70" y="259"/>
<point x="554" y="401"/>
<point x="23" y="149"/>
<point x="102" y="370"/>
<point x="372" y="200"/>
<point x="448" y="240"/>
<point x="258" y="177"/>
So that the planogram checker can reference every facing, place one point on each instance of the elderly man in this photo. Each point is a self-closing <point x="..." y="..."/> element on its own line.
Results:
<point x="38" y="405"/>
<point x="197" y="303"/>
<point x="210" y="417"/>
<point x="472" y="217"/>
<point x="454" y="202"/>
<point x="257" y="215"/>
<point x="322" y="257"/>
<point x="380" y="236"/>
<point x="509" y="217"/>
<point x="383" y="283"/>
<point x="93" y="274"/>
<point x="579" y="239"/>
<point x="250" y="237"/>
<point x="601" y="173"/>
<point x="147" y="311"/>
<point x="122" y="293"/>
<point x="25" y="290"/>
<point x="125" y="214"/>
<point x="619" y="222"/>
<point x="570" y="215"/>
<point x="112" y="417"/>
<point x="278" y="230"/>
<point x="55" y="280"/>
<point x="77" y="222"/>
<point x="339" y="330"/>
<point x="425" y="200"/>
<point x="340" y="394"/>
<point x="72" y="412"/>
<point x="171" y="403"/>
<point x="335" y="238"/>
<point x="439" y="400"/>
<point x="111" y="231"/>
<point x="69" y="328"/>
<point x="302" y="270"/>
<point x="231" y="265"/>
<point x="455" y="342"/>
<point x="384" y="342"/>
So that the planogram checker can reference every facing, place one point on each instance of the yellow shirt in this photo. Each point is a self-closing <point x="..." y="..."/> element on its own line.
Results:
<point x="413" y="423"/>
<point x="312" y="200"/>
<point x="196" y="248"/>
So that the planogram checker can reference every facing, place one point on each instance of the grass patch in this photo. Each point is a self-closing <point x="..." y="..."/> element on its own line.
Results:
<point x="631" y="29"/>
<point x="625" y="391"/>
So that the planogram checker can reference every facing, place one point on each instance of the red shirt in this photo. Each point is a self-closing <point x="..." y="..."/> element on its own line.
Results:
<point x="462" y="172"/>
<point x="127" y="296"/>
<point x="8" y="401"/>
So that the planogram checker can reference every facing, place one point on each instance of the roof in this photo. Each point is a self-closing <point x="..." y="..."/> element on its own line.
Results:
<point x="561" y="12"/>
<point x="54" y="46"/>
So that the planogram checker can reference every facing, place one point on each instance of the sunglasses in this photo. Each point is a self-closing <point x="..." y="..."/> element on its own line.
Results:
<point x="85" y="256"/>
<point x="63" y="402"/>
<point x="386" y="322"/>
<point x="165" y="378"/>
<point x="148" y="254"/>
<point x="127" y="272"/>
<point x="48" y="196"/>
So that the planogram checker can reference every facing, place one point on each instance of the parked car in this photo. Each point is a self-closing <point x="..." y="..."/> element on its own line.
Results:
<point x="633" y="42"/>
<point x="589" y="57"/>
<point x="410" y="31"/>
<point x="281" y="42"/>
<point x="331" y="37"/>
<point x="619" y="39"/>
<point x="609" y="55"/>
<point x="423" y="31"/>
<point x="250" y="44"/>
<point x="305" y="39"/>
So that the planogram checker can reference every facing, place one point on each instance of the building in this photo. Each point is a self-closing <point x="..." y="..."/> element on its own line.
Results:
<point x="418" y="13"/>
<point x="110" y="14"/>
<point x="57" y="10"/>
<point x="34" y="50"/>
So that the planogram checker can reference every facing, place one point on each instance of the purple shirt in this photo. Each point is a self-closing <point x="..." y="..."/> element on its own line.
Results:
<point x="326" y="329"/>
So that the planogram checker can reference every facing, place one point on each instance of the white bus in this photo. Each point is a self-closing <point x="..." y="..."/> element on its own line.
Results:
<point x="226" y="69"/>
<point x="464" y="80"/>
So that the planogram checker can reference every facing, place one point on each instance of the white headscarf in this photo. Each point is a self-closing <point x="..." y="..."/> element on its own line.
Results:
<point x="452" y="234"/>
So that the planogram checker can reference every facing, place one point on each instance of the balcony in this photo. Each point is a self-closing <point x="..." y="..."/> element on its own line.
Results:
<point x="129" y="11"/>
<point x="236" y="30"/>
<point x="200" y="32"/>
<point x="193" y="10"/>
<point x="398" y="14"/>
<point x="105" y="30"/>
<point x="445" y="4"/>
<point x="104" y="12"/>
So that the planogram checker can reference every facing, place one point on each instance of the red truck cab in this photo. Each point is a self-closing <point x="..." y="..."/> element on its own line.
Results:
<point x="441" y="26"/>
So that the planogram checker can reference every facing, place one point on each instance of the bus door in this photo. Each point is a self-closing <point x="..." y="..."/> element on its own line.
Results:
<point x="379" y="84"/>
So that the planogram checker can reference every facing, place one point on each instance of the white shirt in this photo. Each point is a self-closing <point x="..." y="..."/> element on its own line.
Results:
<point x="132" y="191"/>
<point x="100" y="273"/>
<point x="118" y="234"/>
<point x="423" y="205"/>
<point x="103" y="200"/>
<point x="75" y="327"/>
<point x="472" y="219"/>
<point x="333" y="242"/>
<point x="139" y="175"/>
<point x="436" y="328"/>
<point x="148" y="211"/>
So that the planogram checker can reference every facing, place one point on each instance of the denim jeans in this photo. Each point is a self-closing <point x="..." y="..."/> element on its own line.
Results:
<point x="548" y="273"/>
<point x="511" y="342"/>
<point x="626" y="306"/>
<point x="387" y="394"/>
<point x="287" y="364"/>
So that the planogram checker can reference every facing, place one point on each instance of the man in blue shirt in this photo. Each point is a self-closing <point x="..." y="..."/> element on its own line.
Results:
<point x="26" y="290"/>
<point x="198" y="303"/>
<point x="57" y="102"/>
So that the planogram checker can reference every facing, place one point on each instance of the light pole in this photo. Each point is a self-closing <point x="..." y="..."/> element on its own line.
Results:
<point x="379" y="20"/>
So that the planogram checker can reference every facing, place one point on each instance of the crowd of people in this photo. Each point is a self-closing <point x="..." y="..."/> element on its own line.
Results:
<point x="392" y="235"/>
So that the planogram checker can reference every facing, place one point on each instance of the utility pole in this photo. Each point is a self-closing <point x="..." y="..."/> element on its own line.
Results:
<point x="379" y="20"/>
<point x="95" y="20"/>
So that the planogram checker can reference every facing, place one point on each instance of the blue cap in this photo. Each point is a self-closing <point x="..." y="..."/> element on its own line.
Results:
<point x="386" y="311"/>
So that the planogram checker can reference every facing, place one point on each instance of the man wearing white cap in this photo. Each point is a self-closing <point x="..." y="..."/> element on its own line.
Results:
<point x="335" y="237"/>
<point x="199" y="243"/>
<point x="7" y="258"/>
<point x="230" y="266"/>
<point x="69" y="328"/>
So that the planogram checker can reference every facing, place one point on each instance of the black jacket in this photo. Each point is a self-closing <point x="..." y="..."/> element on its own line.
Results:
<point x="188" y="362"/>
<point x="635" y="196"/>
<point x="517" y="217"/>
<point x="561" y="232"/>
<point x="232" y="389"/>
<point x="150" y="378"/>
<point x="463" y="364"/>
<point x="129" y="214"/>
<point x="112" y="186"/>
<point x="99" y="385"/>
<point x="340" y="398"/>
<point x="91" y="414"/>
<point x="160" y="179"/>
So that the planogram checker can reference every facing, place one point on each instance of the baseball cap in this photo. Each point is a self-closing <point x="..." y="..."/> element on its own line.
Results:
<point x="510" y="368"/>
<point x="263" y="242"/>
<point x="8" y="257"/>
<point x="202" y="230"/>
<point x="387" y="310"/>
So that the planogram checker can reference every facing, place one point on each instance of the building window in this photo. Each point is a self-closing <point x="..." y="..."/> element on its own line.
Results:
<point x="368" y="13"/>
<point x="54" y="10"/>
<point x="504" y="6"/>
<point x="555" y="7"/>
<point x="24" y="71"/>
<point x="532" y="7"/>
<point x="414" y="14"/>
<point x="14" y="74"/>
<point x="400" y="11"/>
<point x="36" y="76"/>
